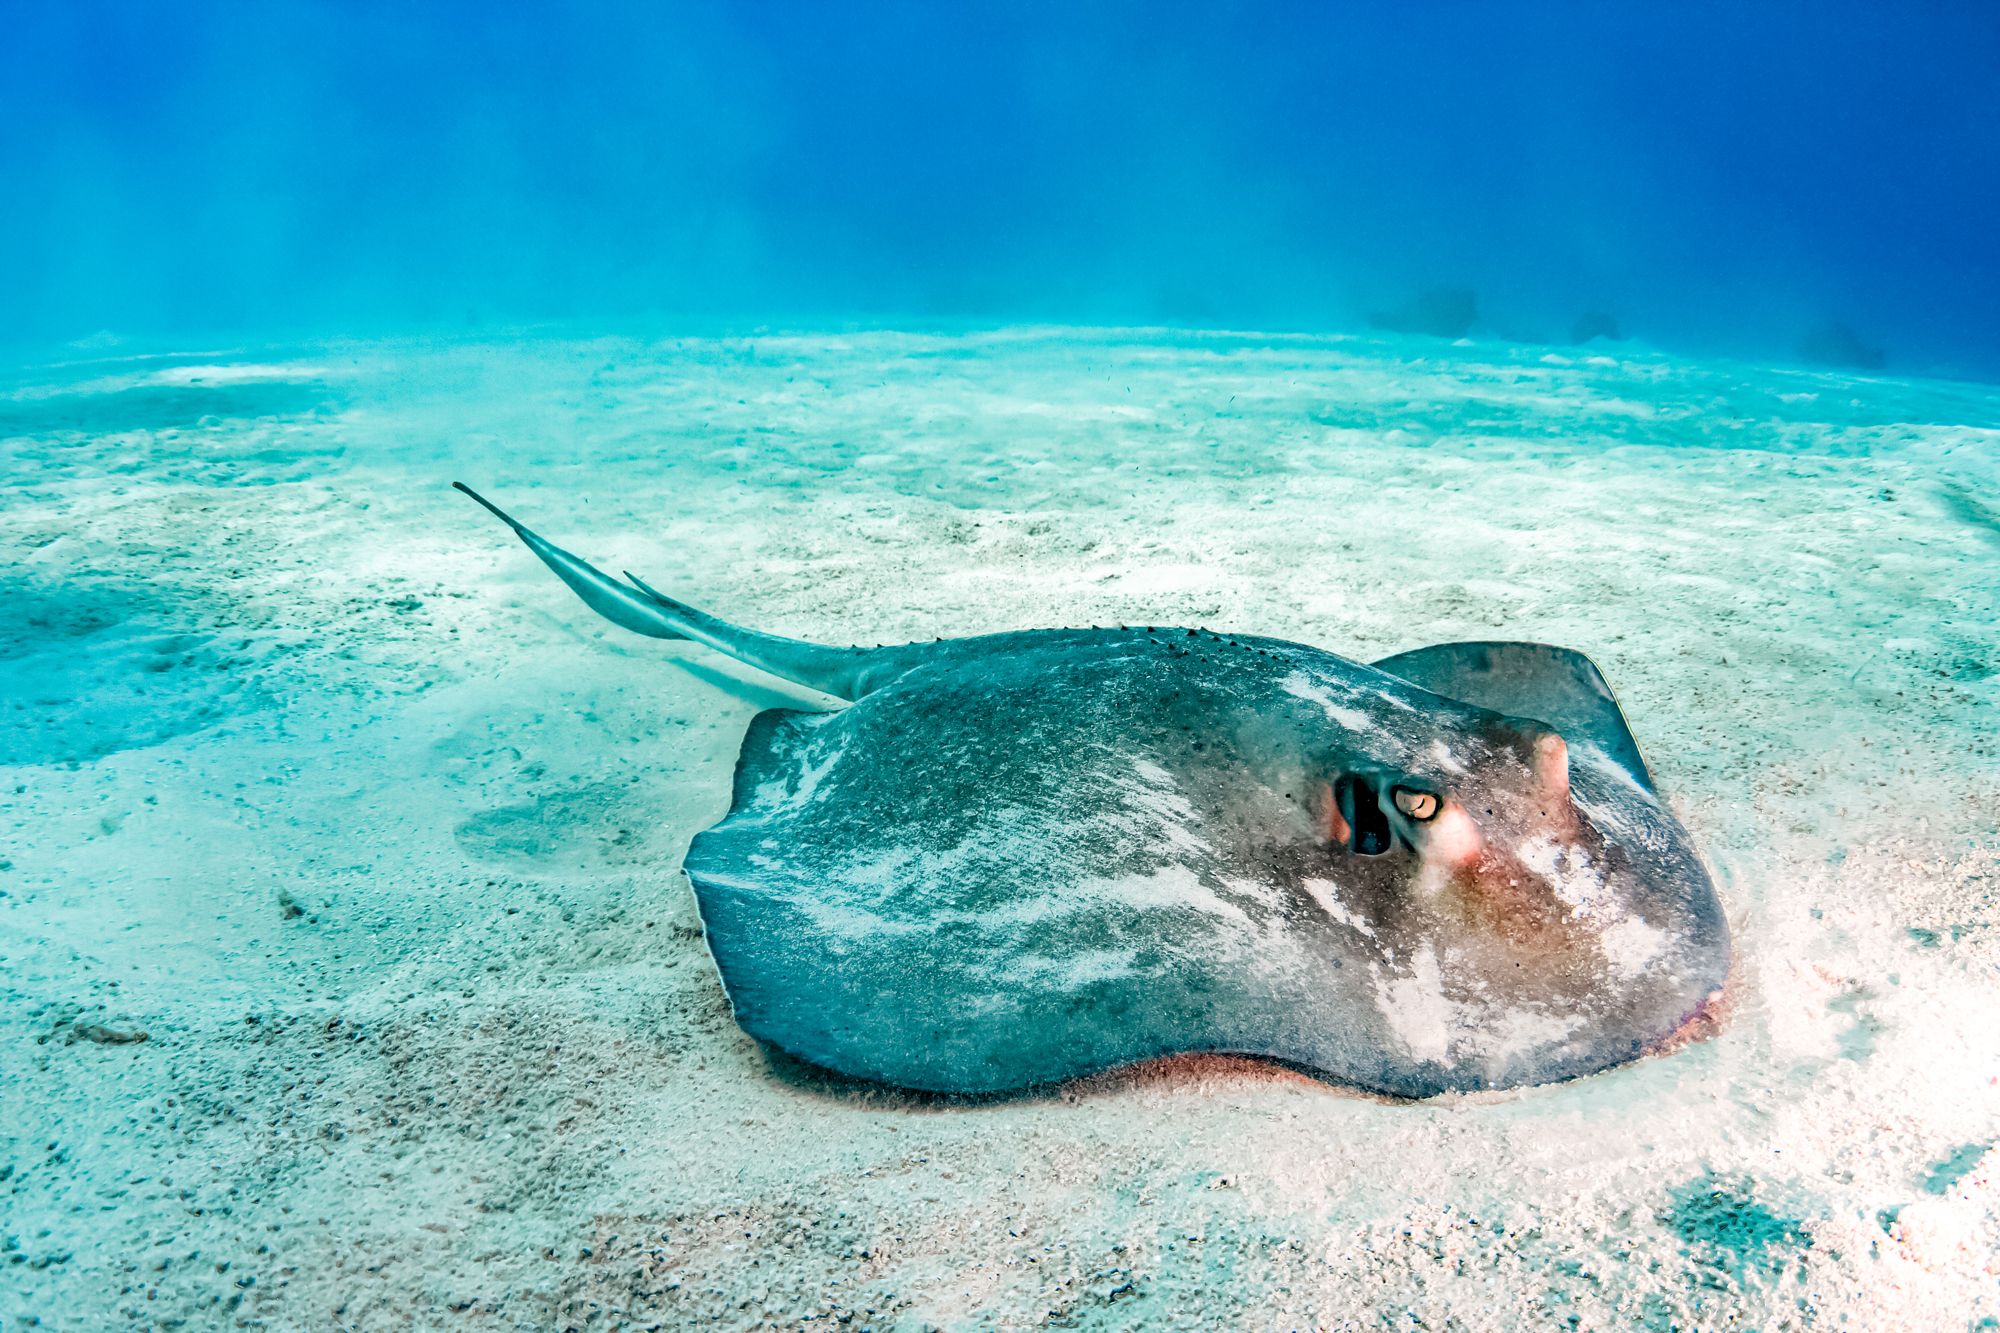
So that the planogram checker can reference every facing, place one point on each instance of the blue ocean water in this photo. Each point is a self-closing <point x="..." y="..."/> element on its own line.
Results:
<point x="1780" y="181"/>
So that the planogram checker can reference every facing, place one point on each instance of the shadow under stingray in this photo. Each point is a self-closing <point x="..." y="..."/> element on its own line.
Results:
<point x="1159" y="1073"/>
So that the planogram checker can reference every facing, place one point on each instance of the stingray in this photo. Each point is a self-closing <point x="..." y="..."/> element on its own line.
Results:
<point x="1015" y="859"/>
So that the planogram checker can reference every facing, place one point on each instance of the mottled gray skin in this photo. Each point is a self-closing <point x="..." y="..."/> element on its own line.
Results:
<point x="1022" y="858"/>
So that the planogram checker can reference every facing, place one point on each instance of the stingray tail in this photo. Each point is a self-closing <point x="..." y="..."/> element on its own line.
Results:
<point x="643" y="611"/>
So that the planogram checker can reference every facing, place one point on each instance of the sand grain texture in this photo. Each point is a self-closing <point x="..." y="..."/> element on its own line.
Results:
<point x="317" y="781"/>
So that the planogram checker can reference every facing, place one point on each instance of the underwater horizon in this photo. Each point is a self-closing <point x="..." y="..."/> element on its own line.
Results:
<point x="1284" y="668"/>
<point x="1791" y="182"/>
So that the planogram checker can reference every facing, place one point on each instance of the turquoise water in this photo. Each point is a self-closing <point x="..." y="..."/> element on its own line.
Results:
<point x="342" y="804"/>
<point x="1794" y="181"/>
<point x="350" y="978"/>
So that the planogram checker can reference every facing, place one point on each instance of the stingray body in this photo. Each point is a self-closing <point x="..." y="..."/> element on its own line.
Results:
<point x="1019" y="858"/>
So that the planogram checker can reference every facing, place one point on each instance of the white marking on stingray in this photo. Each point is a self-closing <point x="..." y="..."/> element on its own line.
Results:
<point x="1326" y="894"/>
<point x="879" y="873"/>
<point x="847" y="918"/>
<point x="1416" y="1008"/>
<point x="1631" y="945"/>
<point x="1095" y="966"/>
<point x="1170" y="887"/>
<point x="1155" y="809"/>
<point x="1618" y="819"/>
<point x="1433" y="879"/>
<point x="1433" y="1026"/>
<point x="782" y="794"/>
<point x="1255" y="890"/>
<point x="1568" y="871"/>
<point x="839" y="924"/>
<point x="1603" y="763"/>
<point x="1513" y="1035"/>
<point x="1446" y="760"/>
<point x="1301" y="686"/>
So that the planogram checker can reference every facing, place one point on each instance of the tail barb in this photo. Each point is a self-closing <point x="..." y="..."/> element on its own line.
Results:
<point x="644" y="611"/>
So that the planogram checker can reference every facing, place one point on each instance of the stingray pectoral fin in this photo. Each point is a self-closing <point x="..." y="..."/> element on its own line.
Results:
<point x="636" y="607"/>
<point x="1559" y="686"/>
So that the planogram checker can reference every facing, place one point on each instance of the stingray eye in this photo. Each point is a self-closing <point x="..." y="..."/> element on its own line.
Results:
<point x="1416" y="804"/>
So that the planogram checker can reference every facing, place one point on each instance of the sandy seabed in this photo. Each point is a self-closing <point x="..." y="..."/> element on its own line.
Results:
<point x="348" y="979"/>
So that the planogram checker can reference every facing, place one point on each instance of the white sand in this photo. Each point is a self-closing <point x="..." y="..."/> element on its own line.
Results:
<point x="311" y="774"/>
